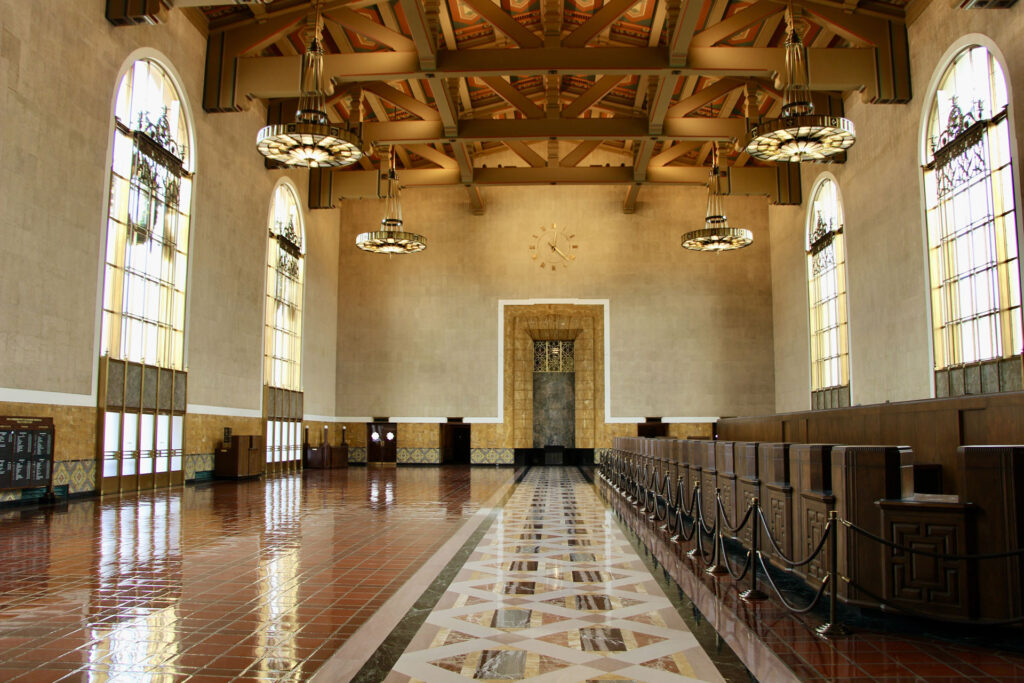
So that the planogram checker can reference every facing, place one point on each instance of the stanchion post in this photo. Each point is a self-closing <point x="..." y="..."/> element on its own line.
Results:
<point x="833" y="628"/>
<point x="754" y="594"/>
<point x="717" y="561"/>
<point x="695" y="513"/>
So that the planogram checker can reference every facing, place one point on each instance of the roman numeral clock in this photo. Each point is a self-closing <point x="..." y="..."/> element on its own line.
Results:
<point x="553" y="248"/>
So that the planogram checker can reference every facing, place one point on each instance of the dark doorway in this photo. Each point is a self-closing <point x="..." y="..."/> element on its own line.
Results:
<point x="455" y="440"/>
<point x="381" y="443"/>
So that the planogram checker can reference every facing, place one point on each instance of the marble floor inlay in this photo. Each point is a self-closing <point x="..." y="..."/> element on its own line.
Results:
<point x="574" y="604"/>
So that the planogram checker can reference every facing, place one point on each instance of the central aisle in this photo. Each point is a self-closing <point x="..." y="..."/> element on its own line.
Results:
<point x="554" y="592"/>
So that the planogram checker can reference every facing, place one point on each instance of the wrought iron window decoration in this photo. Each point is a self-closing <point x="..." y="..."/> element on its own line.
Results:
<point x="553" y="356"/>
<point x="825" y="231"/>
<point x="716" y="234"/>
<point x="799" y="134"/>
<point x="311" y="141"/>
<point x="391" y="239"/>
<point x="958" y="152"/>
<point x="157" y="170"/>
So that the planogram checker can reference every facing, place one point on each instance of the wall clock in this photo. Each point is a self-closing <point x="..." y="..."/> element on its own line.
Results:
<point x="553" y="248"/>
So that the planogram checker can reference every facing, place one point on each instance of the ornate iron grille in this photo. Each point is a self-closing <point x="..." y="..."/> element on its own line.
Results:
<point x="553" y="356"/>
<point x="826" y="287"/>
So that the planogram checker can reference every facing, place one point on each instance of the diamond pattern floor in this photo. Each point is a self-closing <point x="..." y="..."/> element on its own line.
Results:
<point x="554" y="592"/>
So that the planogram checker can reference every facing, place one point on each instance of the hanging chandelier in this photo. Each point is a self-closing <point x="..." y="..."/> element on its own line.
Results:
<point x="391" y="239"/>
<point x="310" y="142"/>
<point x="716" y="234"/>
<point x="799" y="134"/>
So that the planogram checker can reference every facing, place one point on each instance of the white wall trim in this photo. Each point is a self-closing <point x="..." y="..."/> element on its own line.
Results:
<point x="418" y="420"/>
<point x="482" y="420"/>
<point x="688" y="420"/>
<point x="353" y="419"/>
<point x="197" y="409"/>
<point x="53" y="398"/>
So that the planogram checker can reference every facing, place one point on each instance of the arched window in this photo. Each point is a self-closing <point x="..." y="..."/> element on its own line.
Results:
<point x="972" y="228"/>
<point x="283" y="336"/>
<point x="282" y="344"/>
<point x="143" y="395"/>
<point x="148" y="221"/>
<point x="826" y="291"/>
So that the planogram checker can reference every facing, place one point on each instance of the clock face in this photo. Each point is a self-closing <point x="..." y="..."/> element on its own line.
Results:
<point x="553" y="248"/>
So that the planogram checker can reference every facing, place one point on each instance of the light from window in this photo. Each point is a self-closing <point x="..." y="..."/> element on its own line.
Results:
<point x="972" y="243"/>
<point x="148" y="221"/>
<point x="283" y="339"/>
<point x="826" y="288"/>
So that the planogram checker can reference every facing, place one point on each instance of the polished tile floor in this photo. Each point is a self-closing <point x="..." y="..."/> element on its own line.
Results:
<point x="554" y="592"/>
<point x="259" y="580"/>
<point x="777" y="645"/>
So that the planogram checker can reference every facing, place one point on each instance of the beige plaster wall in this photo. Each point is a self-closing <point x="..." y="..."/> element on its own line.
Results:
<point x="59" y="64"/>
<point x="890" y="333"/>
<point x="690" y="334"/>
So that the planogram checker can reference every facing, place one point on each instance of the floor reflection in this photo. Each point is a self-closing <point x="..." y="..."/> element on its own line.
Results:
<point x="256" y="580"/>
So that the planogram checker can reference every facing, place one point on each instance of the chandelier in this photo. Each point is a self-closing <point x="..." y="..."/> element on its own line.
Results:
<point x="391" y="239"/>
<point x="716" y="234"/>
<point x="311" y="141"/>
<point x="799" y="134"/>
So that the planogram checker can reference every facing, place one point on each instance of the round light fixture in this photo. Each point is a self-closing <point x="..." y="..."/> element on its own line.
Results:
<point x="716" y="235"/>
<point x="311" y="141"/>
<point x="312" y="145"/>
<point x="391" y="239"/>
<point x="799" y="134"/>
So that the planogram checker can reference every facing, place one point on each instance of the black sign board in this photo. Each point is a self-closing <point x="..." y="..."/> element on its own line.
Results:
<point x="26" y="452"/>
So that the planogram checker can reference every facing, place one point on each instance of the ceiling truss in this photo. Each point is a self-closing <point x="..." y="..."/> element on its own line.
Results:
<point x="520" y="92"/>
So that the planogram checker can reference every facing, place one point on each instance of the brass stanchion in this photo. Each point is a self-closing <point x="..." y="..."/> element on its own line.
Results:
<point x="694" y="552"/>
<point x="717" y="566"/>
<point x="833" y="628"/>
<point x="753" y="593"/>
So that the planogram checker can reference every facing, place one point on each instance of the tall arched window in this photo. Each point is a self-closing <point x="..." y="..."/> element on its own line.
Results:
<point x="148" y="221"/>
<point x="143" y="393"/>
<point x="826" y="291"/>
<point x="282" y="344"/>
<point x="972" y="228"/>
<point x="283" y="341"/>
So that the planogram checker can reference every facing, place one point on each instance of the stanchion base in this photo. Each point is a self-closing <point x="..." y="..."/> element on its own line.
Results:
<point x="751" y="595"/>
<point x="715" y="569"/>
<point x="663" y="527"/>
<point x="651" y="518"/>
<point x="831" y="630"/>
<point x="674" y="539"/>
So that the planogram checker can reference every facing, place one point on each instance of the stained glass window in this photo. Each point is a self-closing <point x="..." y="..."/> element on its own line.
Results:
<point x="971" y="217"/>
<point x="283" y="340"/>
<point x="148" y="221"/>
<point x="826" y="289"/>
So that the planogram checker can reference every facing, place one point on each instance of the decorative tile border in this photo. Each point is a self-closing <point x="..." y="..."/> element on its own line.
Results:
<point x="78" y="475"/>
<point x="357" y="454"/>
<point x="197" y="462"/>
<point x="419" y="456"/>
<point x="491" y="456"/>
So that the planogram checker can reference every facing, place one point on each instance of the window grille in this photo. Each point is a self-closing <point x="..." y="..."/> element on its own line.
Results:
<point x="283" y="341"/>
<point x="553" y="356"/>
<point x="826" y="288"/>
<point x="971" y="218"/>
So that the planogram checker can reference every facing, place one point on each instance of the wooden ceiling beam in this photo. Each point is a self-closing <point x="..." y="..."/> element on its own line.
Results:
<point x="422" y="37"/>
<point x="671" y="153"/>
<point x="629" y="203"/>
<point x="524" y="152"/>
<point x="465" y="161"/>
<point x="830" y="68"/>
<point x="682" y="32"/>
<point x="400" y="99"/>
<point x="642" y="160"/>
<point x="476" y="200"/>
<point x="371" y="29"/>
<point x="508" y="92"/>
<point x="433" y="155"/>
<point x="750" y="15"/>
<point x="602" y="18"/>
<point x="591" y="96"/>
<point x="502" y="21"/>
<point x="501" y="130"/>
<point x="579" y="153"/>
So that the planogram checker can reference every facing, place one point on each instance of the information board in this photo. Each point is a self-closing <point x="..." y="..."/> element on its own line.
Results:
<point x="26" y="452"/>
